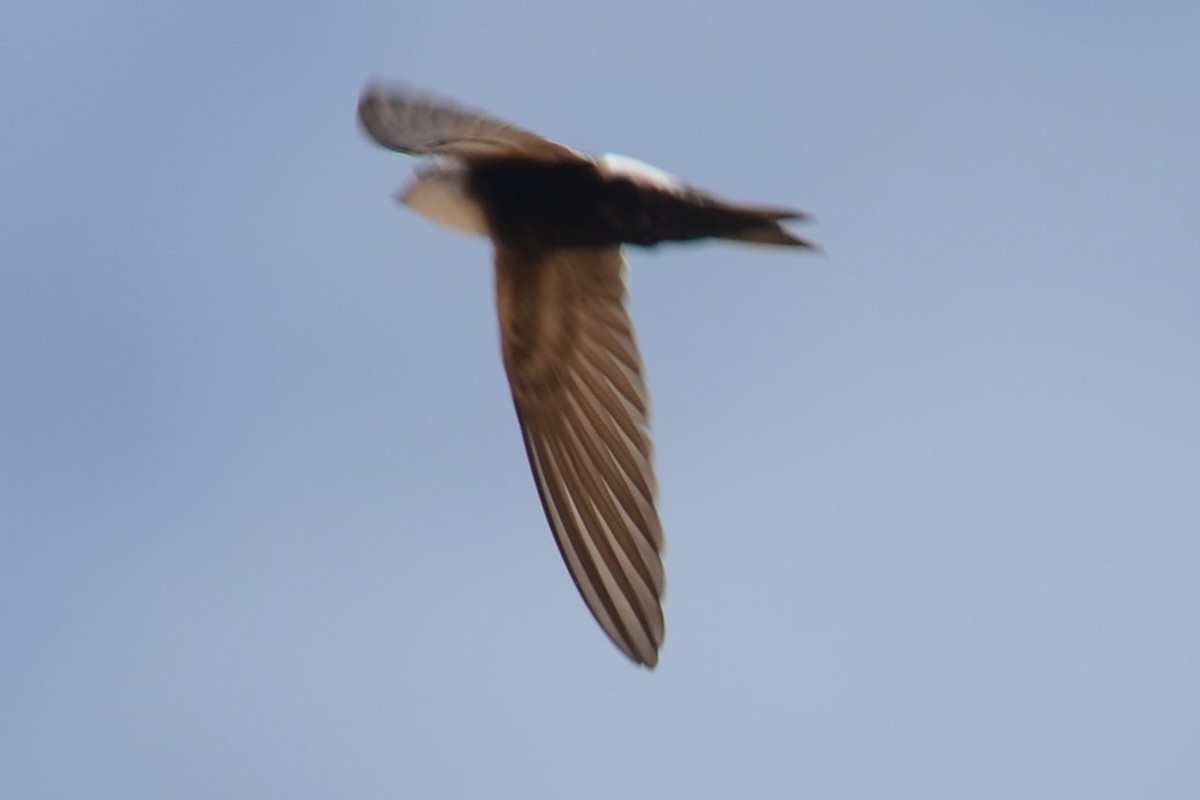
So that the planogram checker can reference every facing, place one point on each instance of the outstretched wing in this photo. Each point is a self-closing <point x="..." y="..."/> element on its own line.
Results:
<point x="576" y="379"/>
<point x="401" y="119"/>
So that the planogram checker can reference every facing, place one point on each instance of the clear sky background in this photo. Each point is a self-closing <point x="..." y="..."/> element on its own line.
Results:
<point x="932" y="500"/>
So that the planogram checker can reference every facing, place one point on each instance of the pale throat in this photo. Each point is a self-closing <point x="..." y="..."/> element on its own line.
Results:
<point x="440" y="195"/>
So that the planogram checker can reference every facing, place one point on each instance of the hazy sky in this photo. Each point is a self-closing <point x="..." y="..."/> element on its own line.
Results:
<point x="932" y="500"/>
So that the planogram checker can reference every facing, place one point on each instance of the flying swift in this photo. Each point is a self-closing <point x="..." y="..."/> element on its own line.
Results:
<point x="558" y="220"/>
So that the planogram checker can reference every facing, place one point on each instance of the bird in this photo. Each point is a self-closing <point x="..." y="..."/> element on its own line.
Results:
<point x="558" y="220"/>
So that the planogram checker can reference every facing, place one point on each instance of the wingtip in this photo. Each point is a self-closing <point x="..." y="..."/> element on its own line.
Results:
<point x="367" y="112"/>
<point x="377" y="114"/>
<point x="647" y="660"/>
<point x="372" y="89"/>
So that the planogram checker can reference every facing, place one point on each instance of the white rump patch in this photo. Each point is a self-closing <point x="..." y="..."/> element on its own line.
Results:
<point x="639" y="171"/>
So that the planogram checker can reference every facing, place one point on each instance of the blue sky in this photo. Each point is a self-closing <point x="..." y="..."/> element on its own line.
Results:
<point x="932" y="500"/>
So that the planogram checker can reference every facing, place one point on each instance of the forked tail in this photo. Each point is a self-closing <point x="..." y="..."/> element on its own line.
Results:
<point x="745" y="224"/>
<point x="681" y="217"/>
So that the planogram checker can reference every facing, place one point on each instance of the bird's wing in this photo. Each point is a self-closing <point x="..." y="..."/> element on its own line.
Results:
<point x="576" y="379"/>
<point x="401" y="119"/>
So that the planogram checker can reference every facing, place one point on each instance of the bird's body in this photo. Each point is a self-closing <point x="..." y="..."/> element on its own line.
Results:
<point x="608" y="201"/>
<point x="558" y="220"/>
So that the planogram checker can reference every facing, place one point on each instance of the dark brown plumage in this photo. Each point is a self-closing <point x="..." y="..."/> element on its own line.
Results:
<point x="558" y="220"/>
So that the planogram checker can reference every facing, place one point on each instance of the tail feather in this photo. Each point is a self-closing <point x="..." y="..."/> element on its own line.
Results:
<point x="767" y="230"/>
<point x="674" y="216"/>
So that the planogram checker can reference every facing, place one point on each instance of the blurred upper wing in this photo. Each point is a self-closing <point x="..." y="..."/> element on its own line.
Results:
<point x="576" y="380"/>
<point x="401" y="119"/>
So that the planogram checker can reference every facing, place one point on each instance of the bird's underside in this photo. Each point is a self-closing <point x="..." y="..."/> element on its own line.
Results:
<point x="558" y="219"/>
